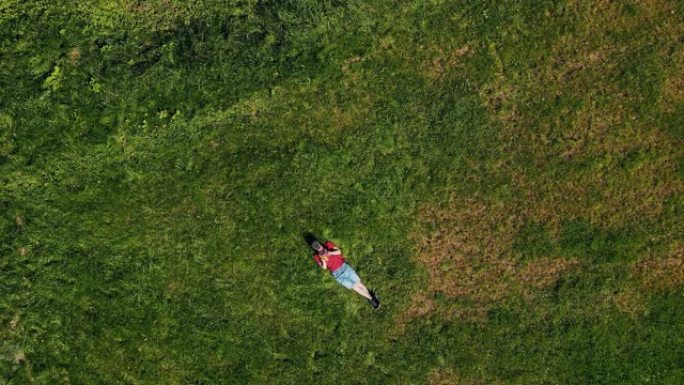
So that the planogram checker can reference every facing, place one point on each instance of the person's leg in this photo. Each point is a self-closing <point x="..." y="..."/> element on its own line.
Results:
<point x="362" y="290"/>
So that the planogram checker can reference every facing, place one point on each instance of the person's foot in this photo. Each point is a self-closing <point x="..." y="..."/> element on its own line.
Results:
<point x="374" y="301"/>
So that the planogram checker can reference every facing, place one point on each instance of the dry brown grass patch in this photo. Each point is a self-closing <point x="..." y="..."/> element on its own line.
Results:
<point x="466" y="248"/>
<point x="607" y="195"/>
<point x="14" y="322"/>
<point x="349" y="62"/>
<point x="661" y="273"/>
<point x="545" y="272"/>
<point x="421" y="305"/>
<point x="450" y="377"/>
<point x="441" y="60"/>
<point x="447" y="377"/>
<point x="602" y="14"/>
<point x="19" y="221"/>
<point x="20" y="358"/>
<point x="673" y="86"/>
<point x="630" y="301"/>
<point x="673" y="90"/>
<point x="465" y="254"/>
<point x="74" y="55"/>
<point x="583" y="66"/>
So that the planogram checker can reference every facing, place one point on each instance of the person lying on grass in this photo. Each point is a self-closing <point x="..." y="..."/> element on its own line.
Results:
<point x="328" y="256"/>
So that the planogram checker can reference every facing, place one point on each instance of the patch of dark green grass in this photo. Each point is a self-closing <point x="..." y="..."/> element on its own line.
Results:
<point x="579" y="238"/>
<point x="533" y="241"/>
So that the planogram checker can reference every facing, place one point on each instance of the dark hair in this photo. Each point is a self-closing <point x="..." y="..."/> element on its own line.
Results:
<point x="311" y="240"/>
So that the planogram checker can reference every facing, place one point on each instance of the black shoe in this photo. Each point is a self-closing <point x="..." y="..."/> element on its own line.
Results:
<point x="374" y="301"/>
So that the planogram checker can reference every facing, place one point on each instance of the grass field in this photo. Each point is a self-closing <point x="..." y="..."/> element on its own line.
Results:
<point x="507" y="175"/>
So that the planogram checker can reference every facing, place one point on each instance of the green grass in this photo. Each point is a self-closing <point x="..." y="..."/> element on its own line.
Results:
<point x="159" y="162"/>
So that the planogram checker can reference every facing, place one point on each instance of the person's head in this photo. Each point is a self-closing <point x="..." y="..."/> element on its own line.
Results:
<point x="317" y="247"/>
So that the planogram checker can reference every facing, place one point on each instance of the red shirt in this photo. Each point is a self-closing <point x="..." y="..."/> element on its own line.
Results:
<point x="335" y="257"/>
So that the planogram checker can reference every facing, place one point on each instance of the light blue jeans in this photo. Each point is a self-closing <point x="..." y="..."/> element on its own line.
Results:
<point x="346" y="276"/>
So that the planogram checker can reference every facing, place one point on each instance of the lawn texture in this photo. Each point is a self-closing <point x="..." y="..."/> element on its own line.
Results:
<point x="508" y="176"/>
